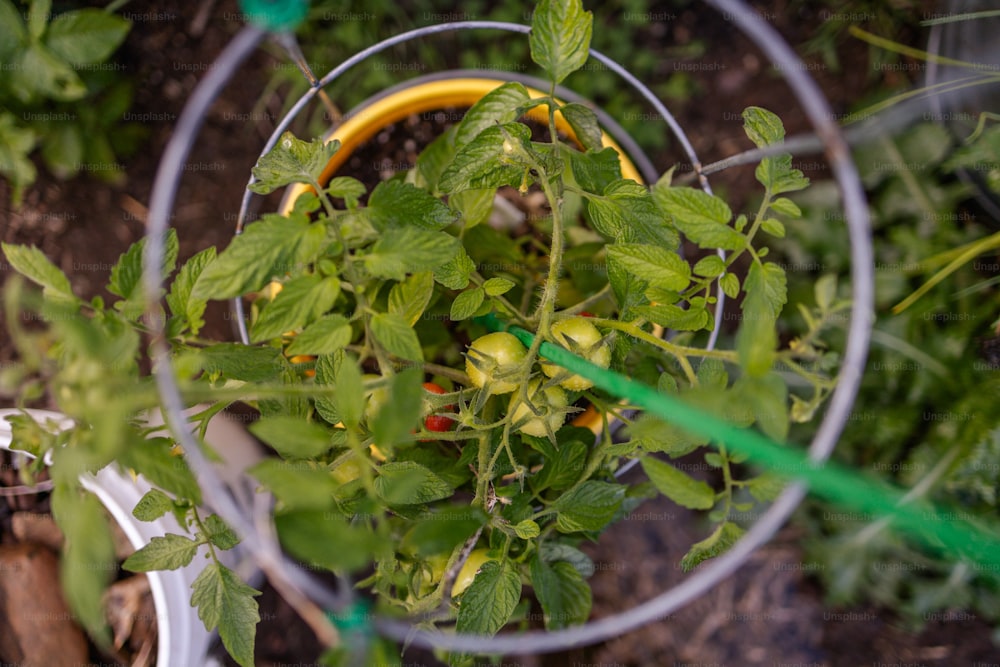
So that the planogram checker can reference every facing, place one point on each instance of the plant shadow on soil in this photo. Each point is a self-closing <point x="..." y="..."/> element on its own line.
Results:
<point x="769" y="612"/>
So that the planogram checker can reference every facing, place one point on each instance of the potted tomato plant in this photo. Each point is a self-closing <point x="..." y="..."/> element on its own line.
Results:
<point x="416" y="447"/>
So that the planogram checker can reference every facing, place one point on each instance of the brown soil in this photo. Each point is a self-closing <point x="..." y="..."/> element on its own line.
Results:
<point x="768" y="613"/>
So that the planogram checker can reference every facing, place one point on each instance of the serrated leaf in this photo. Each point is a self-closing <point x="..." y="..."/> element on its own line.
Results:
<point x="13" y="32"/>
<point x="396" y="336"/>
<point x="585" y="126"/>
<point x="324" y="336"/>
<point x="410" y="250"/>
<point x="301" y="300"/>
<point x="295" y="486"/>
<point x="169" y="552"/>
<point x="710" y="266"/>
<point x="677" y="485"/>
<point x="182" y="305"/>
<point x="702" y="217"/>
<point x="825" y="291"/>
<point x="527" y="530"/>
<point x="499" y="106"/>
<point x="773" y="227"/>
<point x="467" y="303"/>
<point x="16" y="144"/>
<point x="768" y="282"/>
<point x="38" y="15"/>
<point x="552" y="552"/>
<point x="350" y="391"/>
<point x="126" y="274"/>
<point x="455" y="273"/>
<point x="87" y="561"/>
<point x="766" y="487"/>
<point x="730" y="284"/>
<point x="395" y="205"/>
<point x="595" y="170"/>
<point x="762" y="126"/>
<point x="474" y="205"/>
<point x="674" y="317"/>
<point x="153" y="504"/>
<point x="490" y="600"/>
<point x="219" y="534"/>
<point x="267" y="249"/>
<point x="86" y="36"/>
<point x="240" y="362"/>
<point x="153" y="459"/>
<point x="787" y="207"/>
<point x="656" y="266"/>
<point x="564" y="595"/>
<point x="483" y="163"/>
<point x="398" y="416"/>
<point x="443" y="530"/>
<point x="32" y="263"/>
<point x="409" y="483"/>
<point x="226" y="603"/>
<point x="714" y="545"/>
<point x="588" y="507"/>
<point x="346" y="188"/>
<point x="497" y="286"/>
<point x="767" y="397"/>
<point x="291" y="437"/>
<point x="325" y="539"/>
<point x="655" y="435"/>
<point x="560" y="37"/>
<point x="292" y="160"/>
<point x="409" y="298"/>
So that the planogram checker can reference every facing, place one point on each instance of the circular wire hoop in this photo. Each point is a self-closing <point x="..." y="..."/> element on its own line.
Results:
<point x="821" y="118"/>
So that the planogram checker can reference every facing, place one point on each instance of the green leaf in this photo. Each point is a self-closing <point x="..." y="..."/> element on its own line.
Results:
<point x="267" y="249"/>
<point x="497" y="286"/>
<point x="409" y="483"/>
<point x="190" y="310"/>
<point x="152" y="505"/>
<point x="588" y="507"/>
<point x="763" y="127"/>
<point x="16" y="144"/>
<point x="38" y="16"/>
<point x="527" y="530"/>
<point x="126" y="274"/>
<point x="474" y="205"/>
<point x="657" y="266"/>
<point x="674" y="317"/>
<point x="241" y="362"/>
<point x="346" y="188"/>
<point x="291" y="437"/>
<point x="87" y="561"/>
<point x="410" y="250"/>
<point x="562" y="467"/>
<point x="766" y="487"/>
<point x="292" y="161"/>
<point x="63" y="149"/>
<point x="585" y="126"/>
<point x="560" y="37"/>
<point x="169" y="552"/>
<point x="730" y="285"/>
<point x="443" y="530"/>
<point x="455" y="273"/>
<point x="483" y="163"/>
<point x="702" y="217"/>
<point x="398" y="416"/>
<point x="490" y="600"/>
<point x="628" y="214"/>
<point x="775" y="173"/>
<point x="409" y="299"/>
<point x="12" y="30"/>
<point x="655" y="435"/>
<point x="153" y="459"/>
<point x="86" y="36"/>
<point x="773" y="227"/>
<point x="36" y="71"/>
<point x="552" y="552"/>
<point x="825" y="291"/>
<point x="325" y="539"/>
<point x="226" y="603"/>
<point x="710" y="266"/>
<point x="595" y="170"/>
<point x="302" y="299"/>
<point x="396" y="205"/>
<point x="767" y="397"/>
<point x="714" y="545"/>
<point x="396" y="336"/>
<point x="499" y="106"/>
<point x="466" y="304"/>
<point x="350" y="391"/>
<point x="767" y="281"/>
<point x="787" y="207"/>
<point x="297" y="487"/>
<point x="219" y="534"/>
<point x="564" y="595"/>
<point x="678" y="486"/>
<point x="433" y="160"/>
<point x="712" y="374"/>
<point x="324" y="336"/>
<point x="32" y="263"/>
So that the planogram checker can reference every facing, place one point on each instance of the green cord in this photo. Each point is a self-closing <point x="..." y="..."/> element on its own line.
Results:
<point x="275" y="15"/>
<point x="954" y="532"/>
<point x="354" y="620"/>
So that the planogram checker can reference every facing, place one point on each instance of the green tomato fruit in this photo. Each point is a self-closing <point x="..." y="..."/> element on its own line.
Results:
<point x="579" y="336"/>
<point x="493" y="355"/>
<point x="469" y="570"/>
<point x="548" y="402"/>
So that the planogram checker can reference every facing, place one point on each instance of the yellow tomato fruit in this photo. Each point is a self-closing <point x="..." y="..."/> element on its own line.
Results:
<point x="469" y="570"/>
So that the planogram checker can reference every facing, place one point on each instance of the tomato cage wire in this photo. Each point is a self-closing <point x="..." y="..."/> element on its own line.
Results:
<point x="254" y="524"/>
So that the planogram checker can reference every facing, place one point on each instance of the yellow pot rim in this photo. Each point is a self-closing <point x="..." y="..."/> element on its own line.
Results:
<point x="366" y="122"/>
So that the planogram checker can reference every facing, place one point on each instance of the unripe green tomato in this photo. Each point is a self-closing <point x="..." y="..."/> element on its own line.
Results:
<point x="491" y="355"/>
<point x="548" y="401"/>
<point x="377" y="397"/>
<point x="578" y="335"/>
<point x="469" y="570"/>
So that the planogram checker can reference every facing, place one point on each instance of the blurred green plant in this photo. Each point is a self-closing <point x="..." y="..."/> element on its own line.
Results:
<point x="59" y="93"/>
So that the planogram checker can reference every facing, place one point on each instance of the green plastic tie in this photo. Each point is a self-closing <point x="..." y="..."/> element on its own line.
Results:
<point x="275" y="15"/>
<point x="952" y="531"/>
<point x="354" y="620"/>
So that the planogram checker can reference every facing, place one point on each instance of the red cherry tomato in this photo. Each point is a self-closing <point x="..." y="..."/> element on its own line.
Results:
<point x="438" y="423"/>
